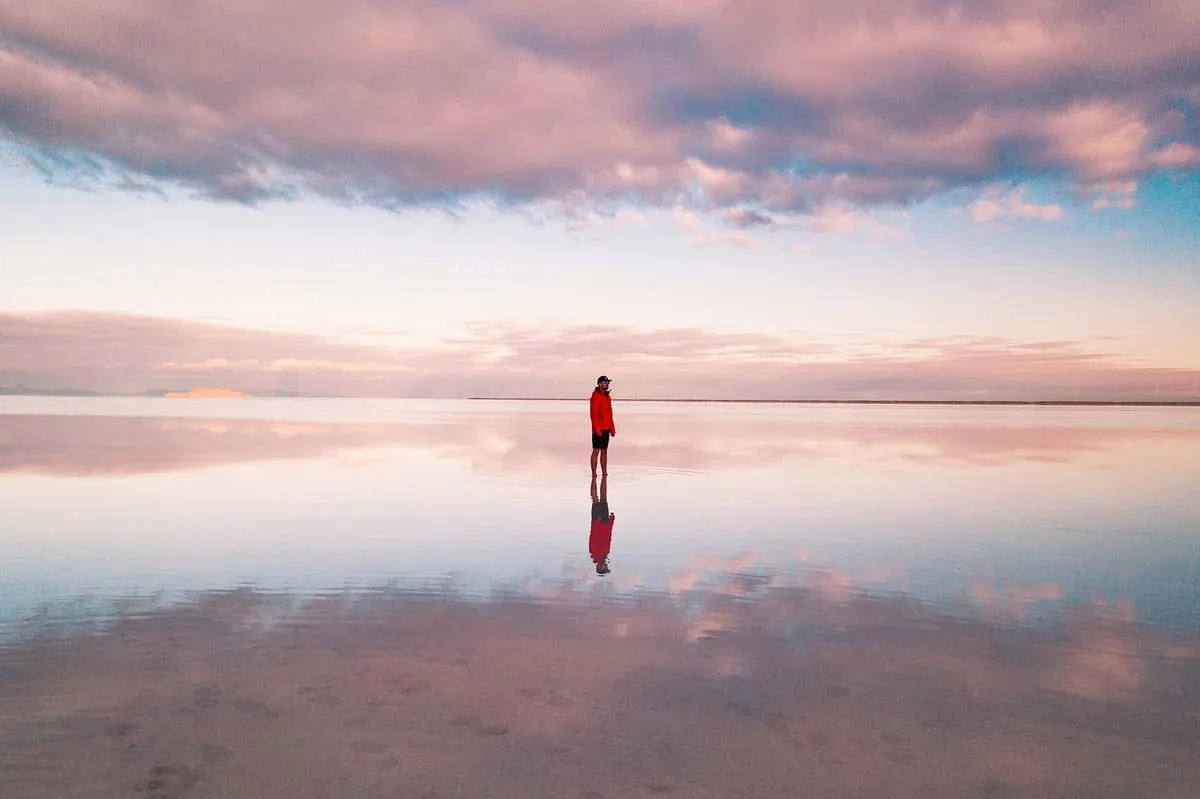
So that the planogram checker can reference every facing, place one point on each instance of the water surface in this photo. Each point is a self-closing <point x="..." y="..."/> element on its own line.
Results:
<point x="326" y="598"/>
<point x="1010" y="510"/>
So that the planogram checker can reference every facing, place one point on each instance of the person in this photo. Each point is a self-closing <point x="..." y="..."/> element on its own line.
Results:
<point x="603" y="427"/>
<point x="600" y="538"/>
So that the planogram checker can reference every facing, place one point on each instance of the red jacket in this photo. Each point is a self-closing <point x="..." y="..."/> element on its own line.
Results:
<point x="600" y="539"/>
<point x="602" y="412"/>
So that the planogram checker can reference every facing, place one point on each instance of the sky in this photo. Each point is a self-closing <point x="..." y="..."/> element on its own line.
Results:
<point x="764" y="199"/>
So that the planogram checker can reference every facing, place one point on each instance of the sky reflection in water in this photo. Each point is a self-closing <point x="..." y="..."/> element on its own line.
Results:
<point x="1012" y="513"/>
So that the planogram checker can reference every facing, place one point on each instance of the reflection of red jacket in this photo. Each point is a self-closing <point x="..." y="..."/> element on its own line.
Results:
<point x="602" y="412"/>
<point x="600" y="541"/>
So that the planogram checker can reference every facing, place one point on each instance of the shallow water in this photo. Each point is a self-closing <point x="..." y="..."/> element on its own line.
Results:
<point x="395" y="598"/>
<point x="1014" y="511"/>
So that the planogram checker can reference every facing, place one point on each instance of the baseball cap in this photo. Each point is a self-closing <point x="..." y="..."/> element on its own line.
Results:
<point x="603" y="379"/>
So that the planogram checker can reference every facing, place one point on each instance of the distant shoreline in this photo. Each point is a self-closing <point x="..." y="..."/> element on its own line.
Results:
<point x="7" y="392"/>
<point x="1086" y="403"/>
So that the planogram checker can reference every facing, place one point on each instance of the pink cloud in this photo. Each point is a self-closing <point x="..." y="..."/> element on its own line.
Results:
<point x="130" y="354"/>
<point x="1009" y="206"/>
<point x="702" y="104"/>
<point x="1176" y="155"/>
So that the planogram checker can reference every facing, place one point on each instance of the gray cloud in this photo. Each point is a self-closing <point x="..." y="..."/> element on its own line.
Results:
<point x="764" y="105"/>
<point x="118" y="353"/>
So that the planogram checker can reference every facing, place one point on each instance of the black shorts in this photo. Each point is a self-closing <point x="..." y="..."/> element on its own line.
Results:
<point x="600" y="511"/>
<point x="600" y="441"/>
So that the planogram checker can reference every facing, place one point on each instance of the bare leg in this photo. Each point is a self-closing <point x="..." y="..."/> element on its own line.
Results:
<point x="595" y="455"/>
<point x="603" y="463"/>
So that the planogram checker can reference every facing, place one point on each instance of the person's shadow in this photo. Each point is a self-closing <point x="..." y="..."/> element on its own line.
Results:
<point x="600" y="539"/>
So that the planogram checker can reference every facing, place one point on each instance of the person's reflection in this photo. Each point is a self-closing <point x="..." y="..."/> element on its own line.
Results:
<point x="600" y="540"/>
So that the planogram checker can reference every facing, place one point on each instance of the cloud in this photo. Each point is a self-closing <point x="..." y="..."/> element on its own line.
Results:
<point x="749" y="218"/>
<point x="737" y="238"/>
<point x="1014" y="601"/>
<point x="839" y="217"/>
<point x="781" y="106"/>
<point x="1115" y="194"/>
<point x="118" y="353"/>
<point x="685" y="218"/>
<point x="1176" y="155"/>
<point x="741" y="219"/>
<point x="1010" y="206"/>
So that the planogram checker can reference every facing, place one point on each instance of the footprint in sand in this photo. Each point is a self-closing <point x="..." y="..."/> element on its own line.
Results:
<point x="121" y="729"/>
<point x="422" y="687"/>
<point x="214" y="754"/>
<point x="319" y="696"/>
<point x="467" y="720"/>
<point x="409" y="686"/>
<point x="549" y="697"/>
<point x="253" y="707"/>
<point x="491" y="729"/>
<point x="207" y="696"/>
<point x="166" y="781"/>
<point x="125" y="732"/>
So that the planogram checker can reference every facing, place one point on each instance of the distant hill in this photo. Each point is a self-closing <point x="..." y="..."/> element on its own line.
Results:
<point x="205" y="392"/>
<point x="1131" y="403"/>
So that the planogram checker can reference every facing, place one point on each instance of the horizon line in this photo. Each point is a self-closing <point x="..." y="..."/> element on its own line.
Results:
<point x="855" y="401"/>
<point x="162" y="394"/>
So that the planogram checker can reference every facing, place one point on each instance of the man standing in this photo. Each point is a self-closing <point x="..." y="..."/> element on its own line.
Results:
<point x="603" y="427"/>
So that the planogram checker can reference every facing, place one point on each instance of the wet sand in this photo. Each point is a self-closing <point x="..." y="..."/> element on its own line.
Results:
<point x="787" y="694"/>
